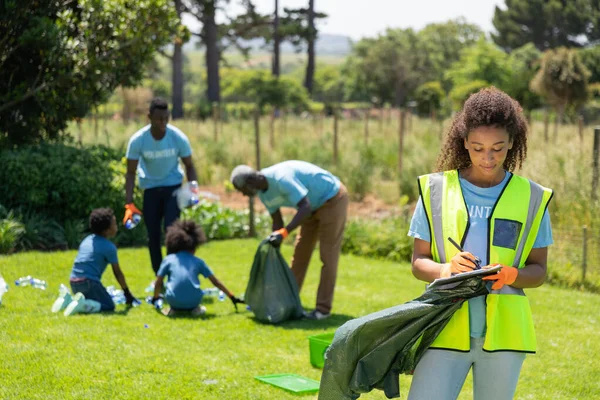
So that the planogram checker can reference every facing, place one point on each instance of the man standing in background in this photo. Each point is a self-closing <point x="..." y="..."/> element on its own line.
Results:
<point x="154" y="152"/>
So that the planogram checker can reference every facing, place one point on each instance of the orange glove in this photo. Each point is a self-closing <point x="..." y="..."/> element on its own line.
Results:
<point x="506" y="276"/>
<point x="130" y="209"/>
<point x="461" y="262"/>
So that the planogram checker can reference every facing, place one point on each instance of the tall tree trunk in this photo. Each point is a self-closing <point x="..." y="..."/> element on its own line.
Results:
<point x="310" y="65"/>
<point x="276" y="40"/>
<point x="213" y="92"/>
<point x="177" y="82"/>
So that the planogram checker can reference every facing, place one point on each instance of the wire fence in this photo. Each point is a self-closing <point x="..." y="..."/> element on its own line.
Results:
<point x="578" y="250"/>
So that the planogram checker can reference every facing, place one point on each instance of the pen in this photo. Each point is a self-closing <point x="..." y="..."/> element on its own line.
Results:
<point x="477" y="260"/>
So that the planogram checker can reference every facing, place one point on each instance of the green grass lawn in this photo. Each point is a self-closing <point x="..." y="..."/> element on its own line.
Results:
<point x="141" y="354"/>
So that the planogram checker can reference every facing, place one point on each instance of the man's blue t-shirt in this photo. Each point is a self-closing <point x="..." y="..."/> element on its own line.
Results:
<point x="95" y="253"/>
<point x="290" y="181"/>
<point x="183" y="286"/>
<point x="159" y="159"/>
<point x="480" y="202"/>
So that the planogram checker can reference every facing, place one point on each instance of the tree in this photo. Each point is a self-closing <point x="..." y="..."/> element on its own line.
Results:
<point x="217" y="37"/>
<point x="562" y="80"/>
<point x="60" y="59"/>
<point x="177" y="64"/>
<point x="329" y="84"/>
<point x="590" y="57"/>
<point x="264" y="89"/>
<point x="484" y="62"/>
<point x="443" y="43"/>
<point x="298" y="27"/>
<point x="523" y="64"/>
<point x="429" y="97"/>
<point x="546" y="23"/>
<point x="310" y="50"/>
<point x="387" y="68"/>
<point x="276" y="41"/>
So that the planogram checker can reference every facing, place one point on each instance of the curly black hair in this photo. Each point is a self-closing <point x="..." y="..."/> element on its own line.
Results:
<point x="488" y="107"/>
<point x="100" y="220"/>
<point x="184" y="236"/>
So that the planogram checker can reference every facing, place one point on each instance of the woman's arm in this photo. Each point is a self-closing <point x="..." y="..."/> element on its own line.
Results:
<point x="534" y="272"/>
<point x="423" y="266"/>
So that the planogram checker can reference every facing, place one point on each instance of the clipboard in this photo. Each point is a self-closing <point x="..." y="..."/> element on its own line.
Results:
<point x="465" y="275"/>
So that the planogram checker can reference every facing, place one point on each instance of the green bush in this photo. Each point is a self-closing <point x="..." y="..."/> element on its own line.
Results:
<point x="11" y="231"/>
<point x="429" y="97"/>
<point x="221" y="223"/>
<point x="385" y="239"/>
<point x="460" y="94"/>
<point x="360" y="178"/>
<point x="63" y="182"/>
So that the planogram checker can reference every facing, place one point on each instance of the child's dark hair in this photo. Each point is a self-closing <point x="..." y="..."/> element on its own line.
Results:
<point x="158" y="104"/>
<point x="184" y="236"/>
<point x="100" y="220"/>
<point x="488" y="107"/>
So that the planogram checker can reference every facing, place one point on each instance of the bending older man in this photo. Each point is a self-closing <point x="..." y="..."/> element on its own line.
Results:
<point x="321" y="201"/>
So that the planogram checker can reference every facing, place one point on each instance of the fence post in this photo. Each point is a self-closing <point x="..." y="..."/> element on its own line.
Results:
<point x="401" y="121"/>
<point x="215" y="117"/>
<point x="595" y="162"/>
<point x="367" y="126"/>
<point x="580" y="123"/>
<point x="251" y="227"/>
<point x="546" y="123"/>
<point x="335" y="135"/>
<point x="584" y="261"/>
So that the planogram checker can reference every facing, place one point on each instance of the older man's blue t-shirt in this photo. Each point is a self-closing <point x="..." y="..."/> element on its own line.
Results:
<point x="291" y="181"/>
<point x="158" y="160"/>
<point x="183" y="286"/>
<point x="95" y="253"/>
<point x="480" y="202"/>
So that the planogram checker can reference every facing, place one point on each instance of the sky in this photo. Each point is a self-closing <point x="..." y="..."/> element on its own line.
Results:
<point x="360" y="18"/>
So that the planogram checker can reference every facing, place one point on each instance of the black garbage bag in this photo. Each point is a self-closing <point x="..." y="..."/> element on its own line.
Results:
<point x="371" y="352"/>
<point x="272" y="291"/>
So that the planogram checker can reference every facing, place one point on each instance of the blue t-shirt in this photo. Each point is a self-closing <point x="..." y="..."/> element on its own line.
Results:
<point x="480" y="202"/>
<point x="159" y="159"/>
<point x="290" y="181"/>
<point x="95" y="253"/>
<point x="183" y="286"/>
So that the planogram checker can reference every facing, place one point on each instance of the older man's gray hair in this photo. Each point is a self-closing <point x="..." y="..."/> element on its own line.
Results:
<point x="240" y="174"/>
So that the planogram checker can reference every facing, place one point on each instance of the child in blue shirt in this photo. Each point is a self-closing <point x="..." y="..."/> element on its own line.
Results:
<point x="183" y="292"/>
<point x="96" y="251"/>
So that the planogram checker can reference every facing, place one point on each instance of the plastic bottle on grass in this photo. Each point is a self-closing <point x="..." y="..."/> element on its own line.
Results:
<point x="214" y="293"/>
<point x="117" y="295"/>
<point x="194" y="190"/>
<point x="3" y="287"/>
<point x="38" y="284"/>
<point x="133" y="221"/>
<point x="150" y="288"/>
<point x="23" y="281"/>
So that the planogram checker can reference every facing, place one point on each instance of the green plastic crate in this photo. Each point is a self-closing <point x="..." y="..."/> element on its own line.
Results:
<point x="318" y="344"/>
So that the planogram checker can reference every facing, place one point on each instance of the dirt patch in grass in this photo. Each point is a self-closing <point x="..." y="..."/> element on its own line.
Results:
<point x="369" y="207"/>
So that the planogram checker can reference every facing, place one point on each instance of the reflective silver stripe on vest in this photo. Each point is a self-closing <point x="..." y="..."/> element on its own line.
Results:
<point x="535" y="200"/>
<point x="436" y="195"/>
<point x="509" y="290"/>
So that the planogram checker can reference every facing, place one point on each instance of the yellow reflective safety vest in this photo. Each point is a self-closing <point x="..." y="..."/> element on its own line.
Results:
<point x="512" y="229"/>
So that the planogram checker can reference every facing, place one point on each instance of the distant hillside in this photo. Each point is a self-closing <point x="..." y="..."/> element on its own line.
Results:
<point x="327" y="44"/>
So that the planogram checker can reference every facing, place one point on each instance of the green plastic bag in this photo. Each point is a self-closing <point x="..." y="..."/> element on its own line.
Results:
<point x="272" y="292"/>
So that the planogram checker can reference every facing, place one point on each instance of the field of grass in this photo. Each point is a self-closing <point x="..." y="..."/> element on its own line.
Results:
<point x="141" y="354"/>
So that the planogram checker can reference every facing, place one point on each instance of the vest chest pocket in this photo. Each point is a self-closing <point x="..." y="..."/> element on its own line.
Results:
<point x="506" y="233"/>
